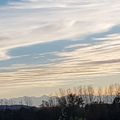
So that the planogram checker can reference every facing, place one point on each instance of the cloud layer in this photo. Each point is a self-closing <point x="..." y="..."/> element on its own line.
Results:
<point x="58" y="40"/>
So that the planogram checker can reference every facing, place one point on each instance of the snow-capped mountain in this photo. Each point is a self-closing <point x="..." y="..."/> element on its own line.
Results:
<point x="30" y="101"/>
<point x="38" y="101"/>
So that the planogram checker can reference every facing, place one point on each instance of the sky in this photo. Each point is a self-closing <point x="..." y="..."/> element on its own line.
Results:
<point x="50" y="44"/>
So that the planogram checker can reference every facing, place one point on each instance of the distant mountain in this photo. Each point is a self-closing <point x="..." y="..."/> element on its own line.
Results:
<point x="28" y="101"/>
<point x="14" y="107"/>
<point x="37" y="101"/>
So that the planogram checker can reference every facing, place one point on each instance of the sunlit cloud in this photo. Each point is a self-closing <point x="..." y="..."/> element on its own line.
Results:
<point x="48" y="42"/>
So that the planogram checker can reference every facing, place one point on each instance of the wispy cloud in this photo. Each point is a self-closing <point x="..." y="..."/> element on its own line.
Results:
<point x="58" y="39"/>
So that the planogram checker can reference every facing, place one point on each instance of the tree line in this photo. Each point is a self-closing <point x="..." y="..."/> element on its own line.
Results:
<point x="83" y="103"/>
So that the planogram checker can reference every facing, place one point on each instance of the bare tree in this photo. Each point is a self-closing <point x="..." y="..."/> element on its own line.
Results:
<point x="1" y="102"/>
<point x="90" y="92"/>
<point x="111" y="93"/>
<point x="28" y="101"/>
<point x="100" y="95"/>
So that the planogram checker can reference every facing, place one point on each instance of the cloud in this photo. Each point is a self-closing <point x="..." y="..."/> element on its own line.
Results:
<point x="50" y="22"/>
<point x="49" y="40"/>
